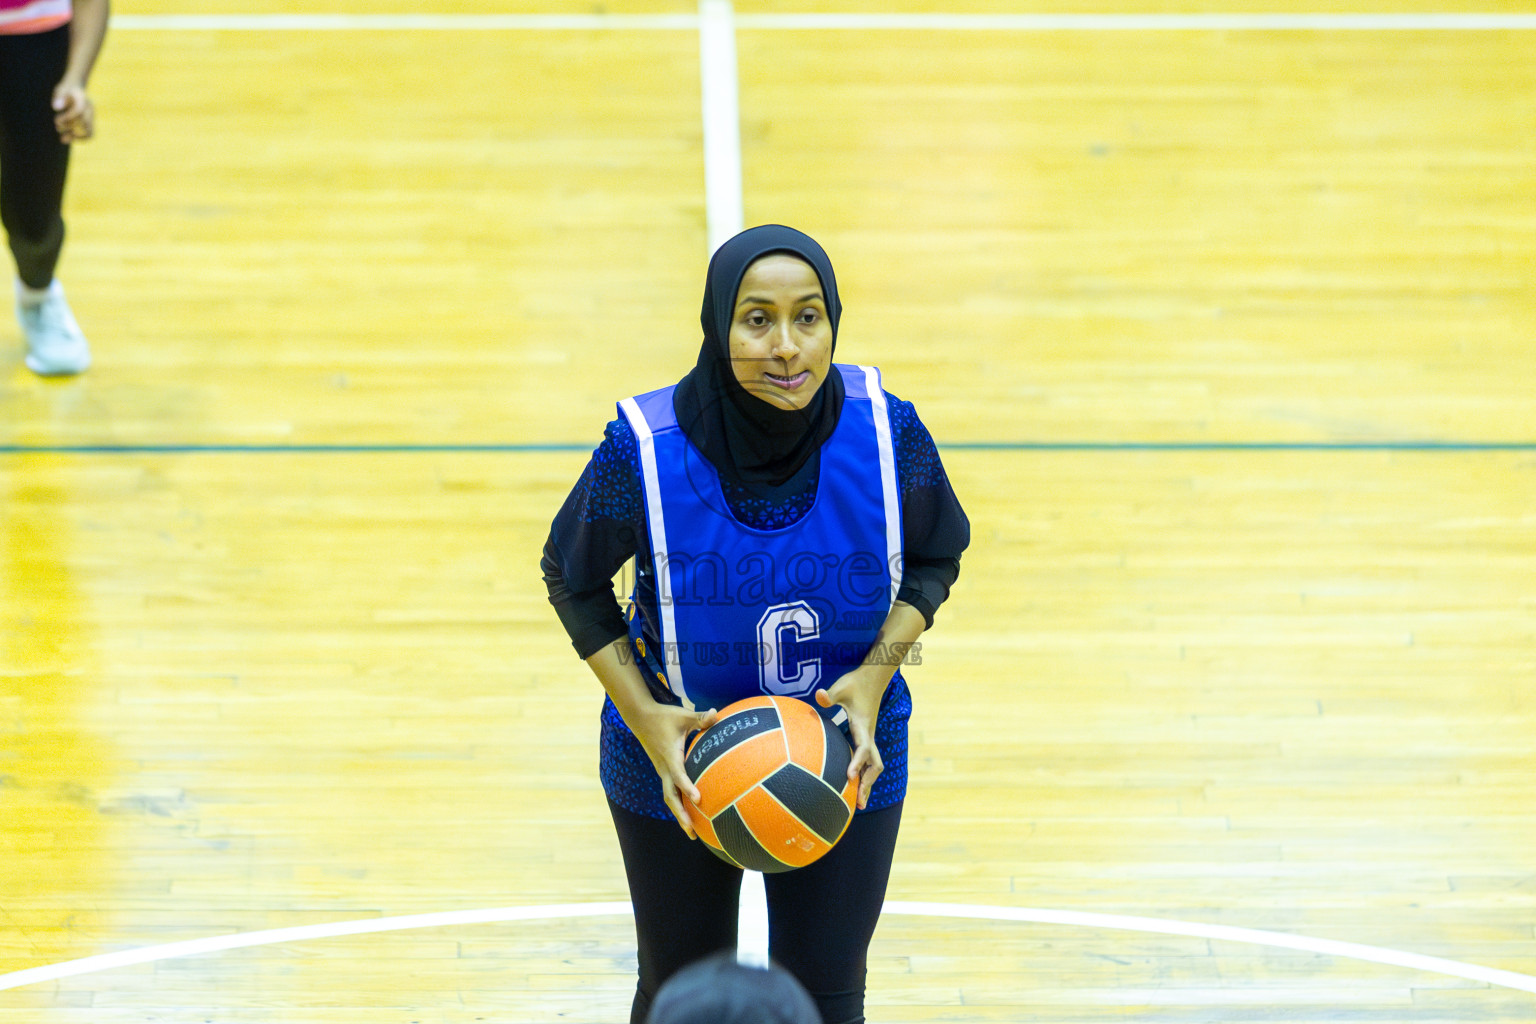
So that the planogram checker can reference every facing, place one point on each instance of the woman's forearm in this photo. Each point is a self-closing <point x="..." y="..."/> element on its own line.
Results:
<point x="87" y="31"/>
<point x="614" y="666"/>
<point x="903" y="625"/>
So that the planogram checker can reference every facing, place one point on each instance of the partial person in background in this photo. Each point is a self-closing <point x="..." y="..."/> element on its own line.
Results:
<point x="719" y="990"/>
<point x="47" y="50"/>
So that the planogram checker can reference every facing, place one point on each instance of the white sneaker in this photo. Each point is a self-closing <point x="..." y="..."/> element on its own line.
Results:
<point x="55" y="344"/>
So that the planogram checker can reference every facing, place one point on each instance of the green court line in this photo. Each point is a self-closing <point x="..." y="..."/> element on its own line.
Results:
<point x="998" y="446"/>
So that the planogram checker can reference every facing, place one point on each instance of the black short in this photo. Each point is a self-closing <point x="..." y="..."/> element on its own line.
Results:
<point x="820" y="918"/>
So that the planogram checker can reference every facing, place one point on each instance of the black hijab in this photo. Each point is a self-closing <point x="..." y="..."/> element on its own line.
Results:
<point x="744" y="437"/>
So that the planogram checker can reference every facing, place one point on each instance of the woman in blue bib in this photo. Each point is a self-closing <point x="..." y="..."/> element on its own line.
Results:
<point x="793" y="534"/>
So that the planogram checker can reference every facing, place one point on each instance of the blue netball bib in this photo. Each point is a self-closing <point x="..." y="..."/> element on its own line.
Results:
<point x="744" y="612"/>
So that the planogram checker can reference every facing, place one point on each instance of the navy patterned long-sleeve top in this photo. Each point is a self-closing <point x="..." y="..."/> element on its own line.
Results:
<point x="602" y="525"/>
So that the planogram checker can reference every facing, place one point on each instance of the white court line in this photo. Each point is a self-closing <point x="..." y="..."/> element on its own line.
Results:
<point x="301" y="933"/>
<point x="1195" y="929"/>
<point x="564" y="911"/>
<point x="722" y="120"/>
<point x="403" y="22"/>
<point x="1468" y="22"/>
<point x="1142" y="22"/>
<point x="752" y="921"/>
<point x="723" y="218"/>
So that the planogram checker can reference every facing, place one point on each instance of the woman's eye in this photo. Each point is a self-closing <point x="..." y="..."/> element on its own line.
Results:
<point x="756" y="319"/>
<point x="808" y="317"/>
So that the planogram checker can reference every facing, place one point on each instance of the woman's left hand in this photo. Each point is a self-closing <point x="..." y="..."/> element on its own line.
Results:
<point x="73" y="115"/>
<point x="859" y="692"/>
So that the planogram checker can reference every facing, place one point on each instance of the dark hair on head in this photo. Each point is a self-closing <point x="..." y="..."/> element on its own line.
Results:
<point x="718" y="990"/>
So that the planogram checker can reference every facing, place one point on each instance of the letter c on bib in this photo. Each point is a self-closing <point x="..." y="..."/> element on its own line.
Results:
<point x="780" y="632"/>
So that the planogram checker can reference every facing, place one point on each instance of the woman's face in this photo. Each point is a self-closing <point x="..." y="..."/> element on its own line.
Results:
<point x="781" y="339"/>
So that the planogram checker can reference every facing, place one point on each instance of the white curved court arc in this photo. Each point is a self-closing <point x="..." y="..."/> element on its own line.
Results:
<point x="566" y="911"/>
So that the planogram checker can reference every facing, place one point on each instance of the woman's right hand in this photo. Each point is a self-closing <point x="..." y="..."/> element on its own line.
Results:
<point x="663" y="731"/>
<point x="661" y="728"/>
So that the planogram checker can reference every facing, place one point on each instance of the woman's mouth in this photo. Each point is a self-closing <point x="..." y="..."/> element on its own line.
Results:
<point x="788" y="383"/>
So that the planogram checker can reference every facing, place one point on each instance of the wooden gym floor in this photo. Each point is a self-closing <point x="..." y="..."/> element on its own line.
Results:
<point x="1226" y="338"/>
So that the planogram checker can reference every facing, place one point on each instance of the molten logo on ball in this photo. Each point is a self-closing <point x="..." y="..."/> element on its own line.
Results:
<point x="774" y="792"/>
<point x="718" y="735"/>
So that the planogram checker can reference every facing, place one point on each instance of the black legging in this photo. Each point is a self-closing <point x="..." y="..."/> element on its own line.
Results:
<point x="33" y="161"/>
<point x="820" y="918"/>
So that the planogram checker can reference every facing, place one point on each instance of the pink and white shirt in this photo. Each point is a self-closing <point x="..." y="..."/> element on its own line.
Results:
<point x="23" y="17"/>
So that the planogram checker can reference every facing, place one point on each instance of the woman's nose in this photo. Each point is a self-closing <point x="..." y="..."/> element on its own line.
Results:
<point x="784" y="346"/>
